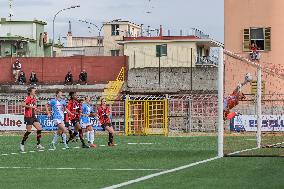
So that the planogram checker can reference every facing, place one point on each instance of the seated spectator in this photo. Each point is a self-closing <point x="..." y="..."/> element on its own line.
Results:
<point x="33" y="78"/>
<point x="254" y="52"/>
<point x="69" y="78"/>
<point x="16" y="69"/>
<point x="22" y="78"/>
<point x="83" y="77"/>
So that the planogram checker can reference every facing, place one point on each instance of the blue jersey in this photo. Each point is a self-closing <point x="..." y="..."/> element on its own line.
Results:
<point x="86" y="109"/>
<point x="57" y="108"/>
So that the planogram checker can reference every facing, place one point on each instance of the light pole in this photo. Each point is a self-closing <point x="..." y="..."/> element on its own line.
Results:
<point x="72" y="7"/>
<point x="99" y="31"/>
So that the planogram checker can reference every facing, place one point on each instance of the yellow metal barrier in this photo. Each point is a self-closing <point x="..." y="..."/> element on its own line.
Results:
<point x="146" y="117"/>
<point x="113" y="88"/>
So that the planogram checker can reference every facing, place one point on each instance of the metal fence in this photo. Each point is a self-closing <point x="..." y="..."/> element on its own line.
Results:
<point x="186" y="113"/>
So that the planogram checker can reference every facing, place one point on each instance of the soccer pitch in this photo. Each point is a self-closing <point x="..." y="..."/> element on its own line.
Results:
<point x="134" y="157"/>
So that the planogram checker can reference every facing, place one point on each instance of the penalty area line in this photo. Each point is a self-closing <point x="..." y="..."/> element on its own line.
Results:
<point x="159" y="174"/>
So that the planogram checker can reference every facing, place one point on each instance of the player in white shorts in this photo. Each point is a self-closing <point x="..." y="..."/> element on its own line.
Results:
<point x="86" y="125"/>
<point x="58" y="106"/>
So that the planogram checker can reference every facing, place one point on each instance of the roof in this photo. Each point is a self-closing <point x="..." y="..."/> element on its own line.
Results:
<point x="162" y="39"/>
<point x="191" y="37"/>
<point x="16" y="38"/>
<point x="95" y="37"/>
<point x="119" y="21"/>
<point x="3" y="20"/>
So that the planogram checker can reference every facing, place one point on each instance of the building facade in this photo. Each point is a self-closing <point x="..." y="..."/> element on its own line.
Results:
<point x="85" y="46"/>
<point x="259" y="22"/>
<point x="23" y="39"/>
<point x="171" y="64"/>
<point x="114" y="31"/>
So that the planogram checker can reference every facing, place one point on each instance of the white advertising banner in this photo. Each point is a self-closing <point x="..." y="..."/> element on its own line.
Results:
<point x="249" y="123"/>
<point x="10" y="122"/>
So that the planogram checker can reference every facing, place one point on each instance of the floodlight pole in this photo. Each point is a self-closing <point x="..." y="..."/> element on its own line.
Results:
<point x="259" y="116"/>
<point x="220" y="103"/>
<point x="53" y="24"/>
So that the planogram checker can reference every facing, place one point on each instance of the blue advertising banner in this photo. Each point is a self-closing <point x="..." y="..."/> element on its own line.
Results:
<point x="48" y="125"/>
<point x="249" y="123"/>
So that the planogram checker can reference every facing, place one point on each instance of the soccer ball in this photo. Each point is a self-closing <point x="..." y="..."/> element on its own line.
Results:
<point x="248" y="77"/>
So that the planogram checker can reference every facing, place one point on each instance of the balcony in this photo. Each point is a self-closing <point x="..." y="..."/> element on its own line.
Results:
<point x="206" y="61"/>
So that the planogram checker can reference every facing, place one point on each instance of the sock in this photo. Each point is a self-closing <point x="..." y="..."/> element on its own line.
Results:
<point x="92" y="136"/>
<point x="85" y="136"/>
<point x="64" y="138"/>
<point x="110" y="137"/>
<point x="75" y="134"/>
<point x="88" y="136"/>
<point x="55" y="138"/>
<point x="38" y="136"/>
<point x="81" y="136"/>
<point x="25" y="137"/>
<point x="70" y="134"/>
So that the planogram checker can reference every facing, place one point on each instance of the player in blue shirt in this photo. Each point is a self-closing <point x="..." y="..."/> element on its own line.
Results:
<point x="86" y="125"/>
<point x="57" y="106"/>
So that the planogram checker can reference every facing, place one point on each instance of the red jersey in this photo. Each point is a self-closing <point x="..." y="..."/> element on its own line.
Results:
<point x="102" y="112"/>
<point x="75" y="108"/>
<point x="30" y="112"/>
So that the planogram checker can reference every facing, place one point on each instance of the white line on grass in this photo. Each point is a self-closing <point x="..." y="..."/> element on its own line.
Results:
<point x="246" y="150"/>
<point x="159" y="173"/>
<point x="78" y="168"/>
<point x="143" y="143"/>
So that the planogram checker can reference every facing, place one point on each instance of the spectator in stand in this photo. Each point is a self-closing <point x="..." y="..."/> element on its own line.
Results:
<point x="254" y="52"/>
<point x="83" y="77"/>
<point x="69" y="78"/>
<point x="33" y="78"/>
<point x="22" y="78"/>
<point x="17" y="66"/>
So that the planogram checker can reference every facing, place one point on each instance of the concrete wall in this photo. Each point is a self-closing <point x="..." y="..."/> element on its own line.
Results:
<point x="22" y="29"/>
<point x="172" y="79"/>
<point x="143" y="54"/>
<point x="53" y="70"/>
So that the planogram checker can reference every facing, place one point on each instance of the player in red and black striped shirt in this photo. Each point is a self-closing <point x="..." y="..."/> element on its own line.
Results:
<point x="104" y="117"/>
<point x="75" y="108"/>
<point x="30" y="118"/>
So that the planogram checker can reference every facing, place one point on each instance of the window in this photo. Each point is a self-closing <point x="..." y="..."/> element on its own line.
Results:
<point x="40" y="39"/>
<point x="261" y="37"/>
<point x="100" y="41"/>
<point x="161" y="50"/>
<point x="114" y="52"/>
<point x="114" y="29"/>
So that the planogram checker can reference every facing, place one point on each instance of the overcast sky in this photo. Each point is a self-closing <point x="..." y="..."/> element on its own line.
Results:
<point x="207" y="15"/>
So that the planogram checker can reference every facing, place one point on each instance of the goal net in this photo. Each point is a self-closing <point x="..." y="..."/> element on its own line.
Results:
<point x="253" y="108"/>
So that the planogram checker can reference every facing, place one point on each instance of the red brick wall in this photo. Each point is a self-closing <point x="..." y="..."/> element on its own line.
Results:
<point x="53" y="70"/>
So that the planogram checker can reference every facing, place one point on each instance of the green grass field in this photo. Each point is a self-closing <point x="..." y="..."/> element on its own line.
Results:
<point x="107" y="166"/>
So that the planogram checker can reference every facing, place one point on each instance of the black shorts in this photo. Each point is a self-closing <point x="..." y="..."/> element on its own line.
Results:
<point x="105" y="125"/>
<point x="74" y="122"/>
<point x="67" y="124"/>
<point x="30" y="120"/>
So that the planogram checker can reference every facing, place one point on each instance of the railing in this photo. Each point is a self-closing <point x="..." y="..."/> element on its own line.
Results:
<point x="205" y="60"/>
<point x="113" y="88"/>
